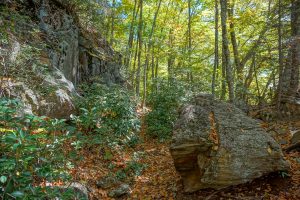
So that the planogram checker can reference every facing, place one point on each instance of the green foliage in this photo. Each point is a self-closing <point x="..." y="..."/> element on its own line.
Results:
<point x="133" y="168"/>
<point x="108" y="112"/>
<point x="164" y="104"/>
<point x="30" y="154"/>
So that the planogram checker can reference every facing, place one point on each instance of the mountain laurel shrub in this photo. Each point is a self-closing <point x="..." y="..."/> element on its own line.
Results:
<point x="109" y="112"/>
<point x="30" y="154"/>
<point x="164" y="103"/>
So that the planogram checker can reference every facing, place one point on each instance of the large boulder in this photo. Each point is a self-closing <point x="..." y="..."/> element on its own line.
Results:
<point x="216" y="145"/>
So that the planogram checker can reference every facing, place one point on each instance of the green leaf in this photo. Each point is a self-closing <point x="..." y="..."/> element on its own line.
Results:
<point x="17" y="194"/>
<point x="3" y="179"/>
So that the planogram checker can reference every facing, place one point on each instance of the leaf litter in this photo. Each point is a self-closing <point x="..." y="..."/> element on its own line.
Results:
<point x="158" y="178"/>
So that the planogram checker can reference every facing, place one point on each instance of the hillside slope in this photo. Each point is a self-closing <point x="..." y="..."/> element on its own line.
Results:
<point x="45" y="54"/>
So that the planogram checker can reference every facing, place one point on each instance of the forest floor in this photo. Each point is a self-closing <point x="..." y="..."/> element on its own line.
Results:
<point x="159" y="179"/>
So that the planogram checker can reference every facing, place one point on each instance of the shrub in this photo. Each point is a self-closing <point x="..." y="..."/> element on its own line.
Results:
<point x="30" y="154"/>
<point x="108" y="112"/>
<point x="164" y="104"/>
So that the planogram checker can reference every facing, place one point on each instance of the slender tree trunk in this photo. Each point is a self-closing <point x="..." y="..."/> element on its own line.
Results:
<point x="140" y="30"/>
<point x="156" y="74"/>
<point x="280" y="55"/>
<point x="226" y="54"/>
<point x="171" y="57"/>
<point x="150" y="42"/>
<point x="131" y="34"/>
<point x="189" y="38"/>
<point x="223" y="84"/>
<point x="112" y="22"/>
<point x="239" y="69"/>
<point x="256" y="80"/>
<point x="270" y="79"/>
<point x="134" y="62"/>
<point x="248" y="79"/>
<point x="145" y="80"/>
<point x="216" y="61"/>
<point x="152" y="64"/>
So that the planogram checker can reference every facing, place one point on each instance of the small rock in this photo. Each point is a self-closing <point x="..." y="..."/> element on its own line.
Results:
<point x="80" y="191"/>
<point x="107" y="182"/>
<point x="281" y="131"/>
<point x="274" y="134"/>
<point x="120" y="191"/>
<point x="283" y="142"/>
<point x="296" y="137"/>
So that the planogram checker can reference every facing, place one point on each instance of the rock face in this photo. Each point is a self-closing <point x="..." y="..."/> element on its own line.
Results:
<point x="46" y="54"/>
<point x="76" y="52"/>
<point x="216" y="145"/>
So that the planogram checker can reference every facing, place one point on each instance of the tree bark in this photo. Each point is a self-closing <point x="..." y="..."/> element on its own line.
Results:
<point x="239" y="69"/>
<point x="216" y="61"/>
<point x="131" y="34"/>
<point x="112" y="22"/>
<point x="140" y="30"/>
<point x="290" y="74"/>
<point x="280" y="55"/>
<point x="189" y="38"/>
<point x="226" y="54"/>
<point x="295" y="48"/>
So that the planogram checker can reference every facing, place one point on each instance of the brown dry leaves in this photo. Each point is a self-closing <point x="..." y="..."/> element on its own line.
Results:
<point x="160" y="180"/>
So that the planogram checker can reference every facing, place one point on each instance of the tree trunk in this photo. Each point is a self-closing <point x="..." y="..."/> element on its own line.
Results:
<point x="290" y="75"/>
<point x="171" y="57"/>
<point x="131" y="34"/>
<point x="134" y="61"/>
<point x="189" y="38"/>
<point x="140" y="30"/>
<point x="216" y="61"/>
<point x="295" y="48"/>
<point x="112" y="22"/>
<point x="239" y="69"/>
<point x="280" y="55"/>
<point x="226" y="54"/>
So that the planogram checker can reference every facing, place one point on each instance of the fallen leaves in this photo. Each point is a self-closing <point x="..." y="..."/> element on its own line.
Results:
<point x="159" y="180"/>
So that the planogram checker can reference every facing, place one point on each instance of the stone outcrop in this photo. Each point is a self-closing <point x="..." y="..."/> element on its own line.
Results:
<point x="46" y="55"/>
<point x="79" y="54"/>
<point x="216" y="145"/>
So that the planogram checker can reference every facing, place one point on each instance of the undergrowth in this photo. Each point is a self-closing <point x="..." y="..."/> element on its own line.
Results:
<point x="33" y="154"/>
<point x="164" y="103"/>
<point x="30" y="154"/>
<point x="108" y="113"/>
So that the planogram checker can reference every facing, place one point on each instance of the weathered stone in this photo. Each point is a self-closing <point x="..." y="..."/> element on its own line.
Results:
<point x="107" y="182"/>
<point x="283" y="142"/>
<point x="78" y="190"/>
<point x="296" y="137"/>
<point x="120" y="191"/>
<point x="216" y="145"/>
<point x="64" y="56"/>
<point x="53" y="97"/>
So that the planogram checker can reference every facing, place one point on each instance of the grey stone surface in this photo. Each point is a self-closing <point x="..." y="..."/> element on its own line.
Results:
<point x="123" y="189"/>
<point x="107" y="182"/>
<point x="67" y="56"/>
<point x="216" y="145"/>
<point x="296" y="137"/>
